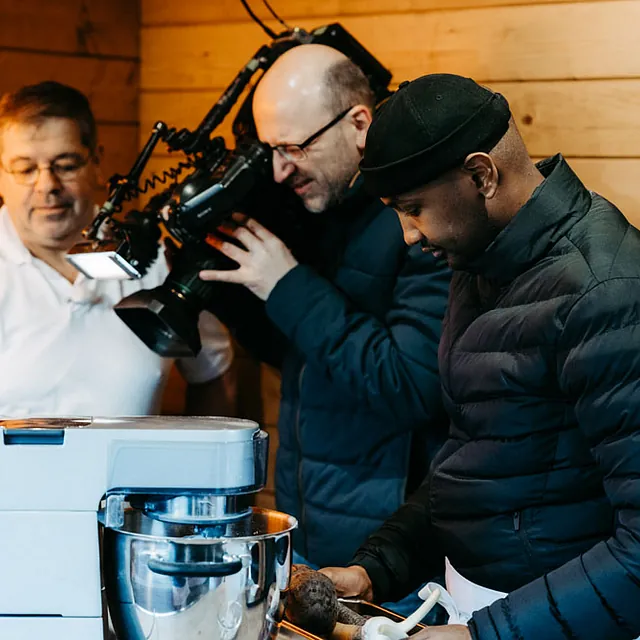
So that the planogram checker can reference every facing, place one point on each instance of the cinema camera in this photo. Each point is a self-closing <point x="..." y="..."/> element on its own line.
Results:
<point x="122" y="244"/>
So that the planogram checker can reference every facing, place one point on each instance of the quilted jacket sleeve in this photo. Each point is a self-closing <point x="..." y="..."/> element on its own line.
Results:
<point x="595" y="596"/>
<point x="399" y="555"/>
<point x="390" y="364"/>
<point x="245" y="316"/>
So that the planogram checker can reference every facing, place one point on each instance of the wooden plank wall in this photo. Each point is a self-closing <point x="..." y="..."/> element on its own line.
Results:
<point x="570" y="69"/>
<point x="92" y="45"/>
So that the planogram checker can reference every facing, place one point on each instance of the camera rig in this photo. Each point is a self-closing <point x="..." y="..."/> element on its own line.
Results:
<point x="222" y="181"/>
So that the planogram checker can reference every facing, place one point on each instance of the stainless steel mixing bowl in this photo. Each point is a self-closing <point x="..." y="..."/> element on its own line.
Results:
<point x="170" y="581"/>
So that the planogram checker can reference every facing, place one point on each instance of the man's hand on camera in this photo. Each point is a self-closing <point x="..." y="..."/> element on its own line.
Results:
<point x="350" y="582"/>
<point x="263" y="262"/>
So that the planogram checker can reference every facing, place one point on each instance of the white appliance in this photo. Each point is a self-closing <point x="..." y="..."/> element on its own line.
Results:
<point x="57" y="474"/>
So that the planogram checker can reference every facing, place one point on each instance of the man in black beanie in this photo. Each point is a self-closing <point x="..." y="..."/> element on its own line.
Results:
<point x="533" y="504"/>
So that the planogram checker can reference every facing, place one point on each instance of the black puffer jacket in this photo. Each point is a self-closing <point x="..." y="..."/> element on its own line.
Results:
<point x="537" y="491"/>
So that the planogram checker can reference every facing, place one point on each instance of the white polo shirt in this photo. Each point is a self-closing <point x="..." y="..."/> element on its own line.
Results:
<point x="64" y="351"/>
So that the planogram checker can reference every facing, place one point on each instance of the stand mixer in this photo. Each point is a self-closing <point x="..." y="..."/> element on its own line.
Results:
<point x="149" y="516"/>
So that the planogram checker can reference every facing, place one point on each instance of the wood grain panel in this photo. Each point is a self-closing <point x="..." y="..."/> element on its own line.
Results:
<point x="202" y="57"/>
<point x="538" y="42"/>
<point x="249" y="401"/>
<point x="111" y="85"/>
<point x="120" y="147"/>
<point x="101" y="27"/>
<point x="182" y="109"/>
<point x="599" y="118"/>
<point x="265" y="499"/>
<point x="595" y="118"/>
<point x="616" y="179"/>
<point x="198" y="12"/>
<point x="174" y="396"/>
<point x="273" y="448"/>
<point x="270" y="394"/>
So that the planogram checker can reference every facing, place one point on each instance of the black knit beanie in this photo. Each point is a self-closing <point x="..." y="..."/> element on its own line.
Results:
<point x="426" y="128"/>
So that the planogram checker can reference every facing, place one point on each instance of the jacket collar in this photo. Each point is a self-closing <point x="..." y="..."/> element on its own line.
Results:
<point x="355" y="194"/>
<point x="555" y="206"/>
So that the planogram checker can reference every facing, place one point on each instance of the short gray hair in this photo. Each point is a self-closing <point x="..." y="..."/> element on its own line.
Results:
<point x="347" y="86"/>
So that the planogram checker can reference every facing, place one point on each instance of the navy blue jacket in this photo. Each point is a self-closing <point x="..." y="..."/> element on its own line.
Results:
<point x="537" y="490"/>
<point x="361" y="412"/>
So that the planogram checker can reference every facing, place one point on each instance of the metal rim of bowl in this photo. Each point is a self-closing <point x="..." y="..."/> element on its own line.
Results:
<point x="292" y="523"/>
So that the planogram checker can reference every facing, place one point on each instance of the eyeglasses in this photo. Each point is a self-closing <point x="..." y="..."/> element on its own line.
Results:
<point x="63" y="170"/>
<point x="297" y="152"/>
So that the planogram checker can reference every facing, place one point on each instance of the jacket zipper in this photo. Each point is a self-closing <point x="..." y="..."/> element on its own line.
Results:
<point x="301" y="503"/>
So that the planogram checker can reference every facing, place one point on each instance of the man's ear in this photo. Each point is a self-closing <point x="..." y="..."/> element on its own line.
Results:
<point x="484" y="173"/>
<point x="360" y="117"/>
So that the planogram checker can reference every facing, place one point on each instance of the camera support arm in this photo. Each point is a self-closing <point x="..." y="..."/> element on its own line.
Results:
<point x="192" y="143"/>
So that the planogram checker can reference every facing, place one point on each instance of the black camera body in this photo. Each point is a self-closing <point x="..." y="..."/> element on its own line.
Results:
<point x="223" y="181"/>
<point x="166" y="318"/>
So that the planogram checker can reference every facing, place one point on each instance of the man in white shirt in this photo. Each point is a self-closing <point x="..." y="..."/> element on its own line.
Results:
<point x="63" y="350"/>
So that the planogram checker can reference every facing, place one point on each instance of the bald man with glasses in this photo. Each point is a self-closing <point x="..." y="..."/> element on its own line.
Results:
<point x="356" y="334"/>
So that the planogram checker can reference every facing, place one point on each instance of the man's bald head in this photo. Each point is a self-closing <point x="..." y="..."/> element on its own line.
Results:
<point x="312" y="76"/>
<point x="314" y="107"/>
